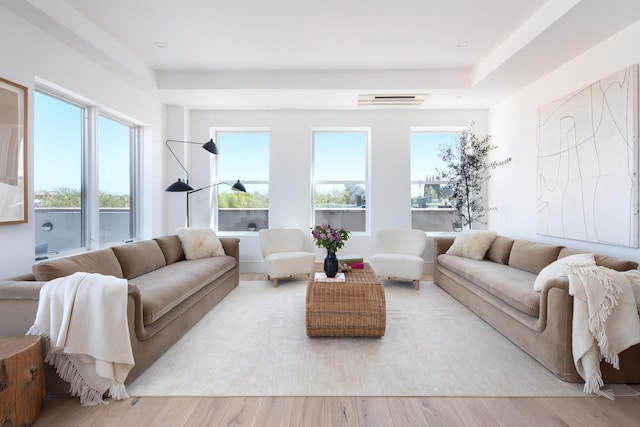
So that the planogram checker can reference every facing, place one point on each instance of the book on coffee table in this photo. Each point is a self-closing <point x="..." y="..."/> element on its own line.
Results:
<point x="359" y="265"/>
<point x="321" y="277"/>
<point x="351" y="259"/>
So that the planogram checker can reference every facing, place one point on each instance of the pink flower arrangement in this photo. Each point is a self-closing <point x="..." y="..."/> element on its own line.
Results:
<point x="328" y="237"/>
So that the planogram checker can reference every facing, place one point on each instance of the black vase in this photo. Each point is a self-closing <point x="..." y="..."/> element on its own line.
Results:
<point x="331" y="264"/>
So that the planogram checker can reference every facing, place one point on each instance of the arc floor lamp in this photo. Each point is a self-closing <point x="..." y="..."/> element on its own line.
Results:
<point x="181" y="186"/>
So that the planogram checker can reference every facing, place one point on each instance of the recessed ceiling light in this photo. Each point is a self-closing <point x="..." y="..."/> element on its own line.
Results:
<point x="462" y="43"/>
<point x="159" y="45"/>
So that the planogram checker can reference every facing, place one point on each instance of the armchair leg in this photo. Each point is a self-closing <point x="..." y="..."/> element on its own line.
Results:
<point x="275" y="282"/>
<point x="417" y="282"/>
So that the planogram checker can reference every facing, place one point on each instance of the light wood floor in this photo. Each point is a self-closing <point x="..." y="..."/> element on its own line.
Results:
<point x="344" y="411"/>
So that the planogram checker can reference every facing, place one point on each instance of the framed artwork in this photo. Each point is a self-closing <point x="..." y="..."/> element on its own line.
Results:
<point x="587" y="163"/>
<point x="13" y="157"/>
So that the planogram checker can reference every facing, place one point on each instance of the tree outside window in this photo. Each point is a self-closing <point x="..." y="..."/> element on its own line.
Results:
<point x="431" y="209"/>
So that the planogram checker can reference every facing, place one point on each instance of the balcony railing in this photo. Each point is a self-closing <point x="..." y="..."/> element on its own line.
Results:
<point x="61" y="229"/>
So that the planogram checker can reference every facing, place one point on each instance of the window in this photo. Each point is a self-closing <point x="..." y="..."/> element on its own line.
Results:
<point x="81" y="202"/>
<point x="430" y="207"/>
<point x="116" y="160"/>
<point x="340" y="176"/>
<point x="60" y="199"/>
<point x="244" y="156"/>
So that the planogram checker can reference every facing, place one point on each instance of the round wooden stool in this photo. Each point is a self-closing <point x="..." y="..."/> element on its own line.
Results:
<point x="21" y="380"/>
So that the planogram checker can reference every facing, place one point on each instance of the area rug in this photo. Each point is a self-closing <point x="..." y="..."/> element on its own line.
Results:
<point x="254" y="344"/>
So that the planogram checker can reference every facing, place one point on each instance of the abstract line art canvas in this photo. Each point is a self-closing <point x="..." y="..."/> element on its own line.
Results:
<point x="587" y="163"/>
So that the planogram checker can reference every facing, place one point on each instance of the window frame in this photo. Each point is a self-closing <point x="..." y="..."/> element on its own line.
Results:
<point x="214" y="134"/>
<point x="367" y="171"/>
<point x="134" y="169"/>
<point x="89" y="186"/>
<point x="428" y="130"/>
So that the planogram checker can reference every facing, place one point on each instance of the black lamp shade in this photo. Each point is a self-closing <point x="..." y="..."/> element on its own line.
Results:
<point x="210" y="146"/>
<point x="179" y="186"/>
<point x="238" y="187"/>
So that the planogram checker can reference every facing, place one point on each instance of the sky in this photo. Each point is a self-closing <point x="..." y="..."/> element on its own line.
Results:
<point x="333" y="149"/>
<point x="58" y="139"/>
<point x="425" y="153"/>
<point x="243" y="156"/>
<point x="58" y="128"/>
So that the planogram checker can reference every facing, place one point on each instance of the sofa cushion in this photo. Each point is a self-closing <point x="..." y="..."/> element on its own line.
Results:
<point x="139" y="258"/>
<point x="511" y="285"/>
<point x="162" y="290"/>
<point x="500" y="250"/>
<point x="532" y="256"/>
<point x="472" y="244"/>
<point x="283" y="264"/>
<point x="200" y="243"/>
<point x="171" y="248"/>
<point x="613" y="263"/>
<point x="102" y="261"/>
<point x="558" y="268"/>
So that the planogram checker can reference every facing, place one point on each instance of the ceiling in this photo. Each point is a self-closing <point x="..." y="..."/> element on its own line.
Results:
<point x="275" y="54"/>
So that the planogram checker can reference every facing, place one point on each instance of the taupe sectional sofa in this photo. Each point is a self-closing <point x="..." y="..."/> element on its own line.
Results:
<point x="167" y="293"/>
<point x="499" y="289"/>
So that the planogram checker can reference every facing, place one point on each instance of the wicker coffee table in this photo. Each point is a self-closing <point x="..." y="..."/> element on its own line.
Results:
<point x="355" y="308"/>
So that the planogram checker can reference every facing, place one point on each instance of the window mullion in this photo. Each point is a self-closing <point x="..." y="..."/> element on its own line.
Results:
<point x="91" y="199"/>
<point x="134" y="133"/>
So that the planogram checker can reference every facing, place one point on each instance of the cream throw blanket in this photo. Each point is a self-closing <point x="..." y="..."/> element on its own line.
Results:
<point x="83" y="321"/>
<point x="605" y="319"/>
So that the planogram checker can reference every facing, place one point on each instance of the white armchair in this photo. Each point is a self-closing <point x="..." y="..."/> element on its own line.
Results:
<point x="286" y="252"/>
<point x="400" y="254"/>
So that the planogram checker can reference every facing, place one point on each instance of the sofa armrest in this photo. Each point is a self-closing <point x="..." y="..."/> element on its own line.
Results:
<point x="135" y="312"/>
<point x="20" y="289"/>
<point x="27" y="277"/>
<point x="555" y="297"/>
<point x="440" y="246"/>
<point x="18" y="306"/>
<point x="231" y="246"/>
<point x="557" y="282"/>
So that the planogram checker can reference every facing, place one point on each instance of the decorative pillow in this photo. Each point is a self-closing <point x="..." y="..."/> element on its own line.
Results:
<point x="199" y="243"/>
<point x="472" y="244"/>
<point x="500" y="250"/>
<point x="559" y="268"/>
<point x="532" y="256"/>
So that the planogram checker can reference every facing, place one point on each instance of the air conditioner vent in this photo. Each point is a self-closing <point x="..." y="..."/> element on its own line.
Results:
<point x="387" y="99"/>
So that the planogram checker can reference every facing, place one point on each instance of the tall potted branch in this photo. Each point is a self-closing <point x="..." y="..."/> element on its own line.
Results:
<point x="467" y="168"/>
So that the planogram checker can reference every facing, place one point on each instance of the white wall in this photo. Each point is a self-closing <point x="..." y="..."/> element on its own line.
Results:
<point x="290" y="165"/>
<point x="28" y="54"/>
<point x="512" y="125"/>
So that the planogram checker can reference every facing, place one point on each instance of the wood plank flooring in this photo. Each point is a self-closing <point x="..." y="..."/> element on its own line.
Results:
<point x="344" y="411"/>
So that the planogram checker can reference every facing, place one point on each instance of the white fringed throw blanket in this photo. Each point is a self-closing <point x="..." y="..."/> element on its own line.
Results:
<point x="605" y="319"/>
<point x="83" y="321"/>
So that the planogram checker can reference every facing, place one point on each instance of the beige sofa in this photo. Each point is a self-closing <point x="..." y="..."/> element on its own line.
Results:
<point x="499" y="289"/>
<point x="167" y="294"/>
